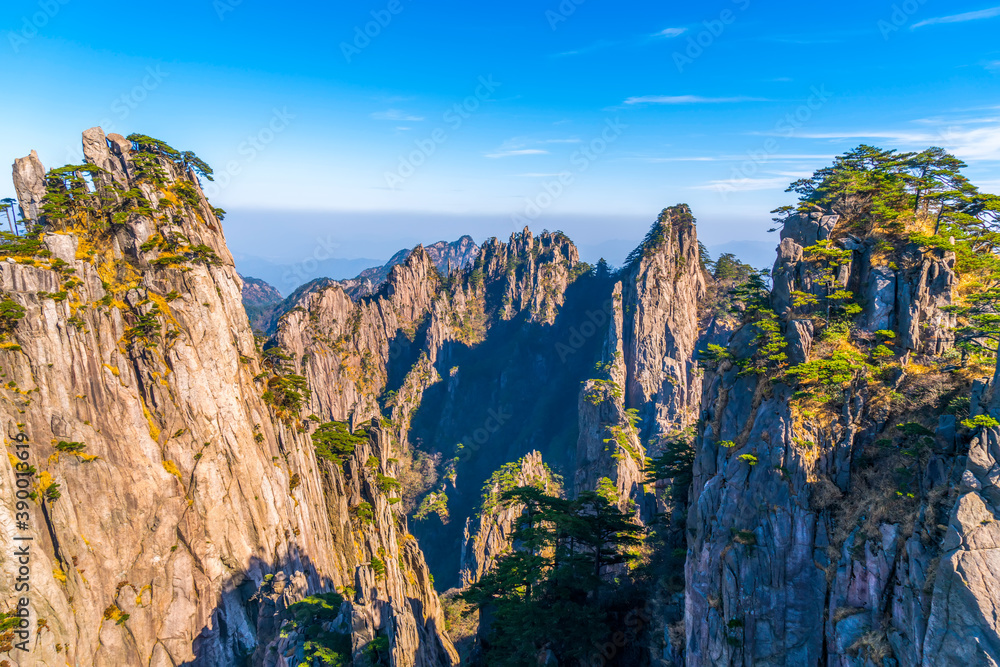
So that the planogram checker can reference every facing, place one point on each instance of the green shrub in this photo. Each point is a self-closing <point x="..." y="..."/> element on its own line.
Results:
<point x="836" y="371"/>
<point x="334" y="441"/>
<point x="364" y="512"/>
<point x="386" y="483"/>
<point x="980" y="421"/>
<point x="10" y="312"/>
<point x="913" y="428"/>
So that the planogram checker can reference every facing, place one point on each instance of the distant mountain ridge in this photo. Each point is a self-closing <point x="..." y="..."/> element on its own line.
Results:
<point x="444" y="255"/>
<point x="265" y="306"/>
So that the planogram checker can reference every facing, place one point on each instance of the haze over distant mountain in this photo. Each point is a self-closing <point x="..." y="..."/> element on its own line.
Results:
<point x="264" y="304"/>
<point x="285" y="277"/>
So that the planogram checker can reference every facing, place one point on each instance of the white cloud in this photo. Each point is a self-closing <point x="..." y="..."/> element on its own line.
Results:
<point x="671" y="32"/>
<point x="396" y="115"/>
<point x="515" y="152"/>
<point x="752" y="184"/>
<point x="689" y="99"/>
<point x="961" y="18"/>
<point x="962" y="138"/>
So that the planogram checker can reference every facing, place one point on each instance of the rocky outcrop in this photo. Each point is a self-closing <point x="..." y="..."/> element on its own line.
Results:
<point x="167" y="488"/>
<point x="489" y="536"/>
<point x="29" y="184"/>
<point x="661" y="291"/>
<point x="815" y="528"/>
<point x="530" y="273"/>
<point x="345" y="347"/>
<point x="649" y="385"/>
<point x="906" y="290"/>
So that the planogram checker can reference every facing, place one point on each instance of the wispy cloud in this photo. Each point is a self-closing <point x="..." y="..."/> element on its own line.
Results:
<point x="516" y="152"/>
<point x="528" y="146"/>
<point x="690" y="99"/>
<point x="964" y="139"/>
<point x="596" y="46"/>
<point x="960" y="18"/>
<point x="396" y="115"/>
<point x="790" y="157"/>
<point x="751" y="184"/>
<point x="600" y="45"/>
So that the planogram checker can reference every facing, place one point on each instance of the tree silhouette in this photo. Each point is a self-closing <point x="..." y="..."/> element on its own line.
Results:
<point x="7" y="205"/>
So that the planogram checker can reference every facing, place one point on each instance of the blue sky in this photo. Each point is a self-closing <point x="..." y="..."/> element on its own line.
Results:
<point x="586" y="117"/>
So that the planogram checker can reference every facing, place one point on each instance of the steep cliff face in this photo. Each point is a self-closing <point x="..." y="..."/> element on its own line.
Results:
<point x="660" y="296"/>
<point x="649" y="384"/>
<point x="165" y="489"/>
<point x="819" y="529"/>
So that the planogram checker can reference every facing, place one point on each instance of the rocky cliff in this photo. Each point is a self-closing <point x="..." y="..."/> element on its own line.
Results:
<point x="649" y="384"/>
<point x="839" y="516"/>
<point x="489" y="537"/>
<point x="176" y="506"/>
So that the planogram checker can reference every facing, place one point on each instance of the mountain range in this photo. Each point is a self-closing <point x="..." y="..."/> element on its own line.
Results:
<point x="497" y="454"/>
